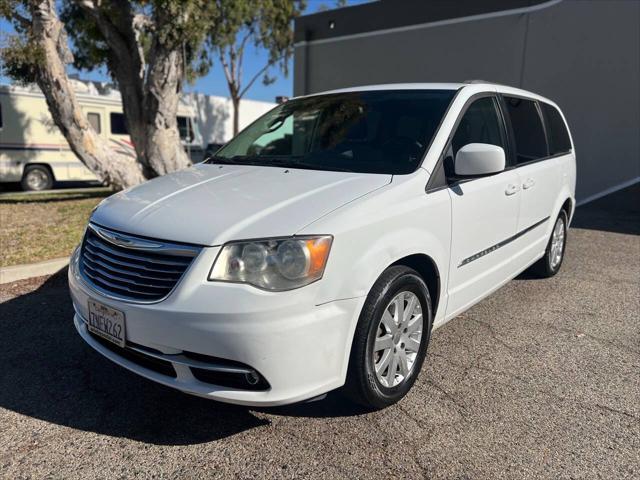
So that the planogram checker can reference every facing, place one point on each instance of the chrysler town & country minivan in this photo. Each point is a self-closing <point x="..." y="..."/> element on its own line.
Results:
<point x="321" y="246"/>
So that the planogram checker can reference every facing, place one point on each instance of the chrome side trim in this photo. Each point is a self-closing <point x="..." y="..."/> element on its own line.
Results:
<point x="501" y="244"/>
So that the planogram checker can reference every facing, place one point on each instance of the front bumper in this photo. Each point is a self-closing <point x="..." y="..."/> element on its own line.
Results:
<point x="300" y="348"/>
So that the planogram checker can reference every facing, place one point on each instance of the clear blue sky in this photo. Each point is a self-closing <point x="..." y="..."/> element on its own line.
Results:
<point x="214" y="83"/>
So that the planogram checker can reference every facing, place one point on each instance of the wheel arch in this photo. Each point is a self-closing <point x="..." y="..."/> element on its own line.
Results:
<point x="568" y="206"/>
<point x="428" y="270"/>
<point x="39" y="164"/>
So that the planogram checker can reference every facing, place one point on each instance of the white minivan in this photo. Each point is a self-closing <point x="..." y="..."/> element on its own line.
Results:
<point x="321" y="246"/>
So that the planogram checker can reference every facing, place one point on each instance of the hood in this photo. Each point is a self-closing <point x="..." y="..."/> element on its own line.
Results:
<point x="213" y="204"/>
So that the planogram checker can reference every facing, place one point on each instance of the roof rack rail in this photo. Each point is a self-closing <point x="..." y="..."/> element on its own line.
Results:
<point x="478" y="80"/>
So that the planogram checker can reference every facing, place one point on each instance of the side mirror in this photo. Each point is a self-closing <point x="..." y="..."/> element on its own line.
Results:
<point x="475" y="159"/>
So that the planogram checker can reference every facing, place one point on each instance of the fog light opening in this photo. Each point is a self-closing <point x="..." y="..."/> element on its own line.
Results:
<point x="252" y="378"/>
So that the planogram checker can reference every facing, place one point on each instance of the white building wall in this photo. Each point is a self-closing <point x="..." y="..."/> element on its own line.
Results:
<point x="215" y="115"/>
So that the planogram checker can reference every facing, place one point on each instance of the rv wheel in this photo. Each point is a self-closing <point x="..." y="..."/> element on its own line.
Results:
<point x="36" y="178"/>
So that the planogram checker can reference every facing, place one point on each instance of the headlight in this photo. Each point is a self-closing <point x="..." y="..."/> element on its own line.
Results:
<point x="273" y="264"/>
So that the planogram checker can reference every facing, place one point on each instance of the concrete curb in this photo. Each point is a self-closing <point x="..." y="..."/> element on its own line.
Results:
<point x="21" y="272"/>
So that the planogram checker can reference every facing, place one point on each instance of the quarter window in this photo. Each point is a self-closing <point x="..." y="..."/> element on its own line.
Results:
<point x="479" y="124"/>
<point x="94" y="120"/>
<point x="557" y="133"/>
<point x="118" y="124"/>
<point x="528" y="131"/>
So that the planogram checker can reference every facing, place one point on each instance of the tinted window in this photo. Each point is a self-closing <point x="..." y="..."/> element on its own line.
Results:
<point x="368" y="132"/>
<point x="94" y="120"/>
<point x="527" y="129"/>
<point x="0" y="115"/>
<point x="479" y="124"/>
<point x="556" y="130"/>
<point x="118" y="124"/>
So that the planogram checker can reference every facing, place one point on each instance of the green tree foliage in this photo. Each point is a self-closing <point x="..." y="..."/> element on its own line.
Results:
<point x="267" y="24"/>
<point x="170" y="24"/>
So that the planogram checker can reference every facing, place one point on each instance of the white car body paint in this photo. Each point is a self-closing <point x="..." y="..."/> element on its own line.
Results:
<point x="479" y="234"/>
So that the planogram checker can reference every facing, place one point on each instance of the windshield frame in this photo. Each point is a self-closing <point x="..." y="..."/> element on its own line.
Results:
<point x="275" y="161"/>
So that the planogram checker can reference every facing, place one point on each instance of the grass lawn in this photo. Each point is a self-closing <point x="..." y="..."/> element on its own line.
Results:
<point x="42" y="226"/>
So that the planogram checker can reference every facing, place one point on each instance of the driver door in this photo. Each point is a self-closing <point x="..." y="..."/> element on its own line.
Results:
<point x="484" y="212"/>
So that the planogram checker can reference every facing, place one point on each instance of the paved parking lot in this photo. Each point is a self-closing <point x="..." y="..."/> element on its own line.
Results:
<point x="541" y="380"/>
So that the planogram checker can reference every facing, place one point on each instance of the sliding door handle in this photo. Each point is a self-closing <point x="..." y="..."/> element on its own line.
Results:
<point x="512" y="189"/>
<point x="528" y="184"/>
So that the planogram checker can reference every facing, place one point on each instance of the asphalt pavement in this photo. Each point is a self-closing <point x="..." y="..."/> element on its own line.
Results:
<point x="540" y="380"/>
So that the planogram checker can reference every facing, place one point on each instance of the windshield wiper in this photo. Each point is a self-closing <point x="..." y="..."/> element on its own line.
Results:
<point x="294" y="161"/>
<point x="220" y="160"/>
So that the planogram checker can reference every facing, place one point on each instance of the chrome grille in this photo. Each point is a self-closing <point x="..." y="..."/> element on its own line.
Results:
<point x="132" y="268"/>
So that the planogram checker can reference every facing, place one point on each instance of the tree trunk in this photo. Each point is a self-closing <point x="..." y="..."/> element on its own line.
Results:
<point x="93" y="151"/>
<point x="236" y="115"/>
<point x="150" y="91"/>
<point x="163" y="87"/>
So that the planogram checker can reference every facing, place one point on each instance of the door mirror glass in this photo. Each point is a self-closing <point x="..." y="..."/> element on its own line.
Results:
<point x="476" y="159"/>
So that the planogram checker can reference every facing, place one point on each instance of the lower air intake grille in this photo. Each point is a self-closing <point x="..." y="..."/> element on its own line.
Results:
<point x="132" y="268"/>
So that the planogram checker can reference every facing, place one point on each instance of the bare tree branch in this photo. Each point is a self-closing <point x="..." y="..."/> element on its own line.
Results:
<point x="269" y="64"/>
<point x="23" y="21"/>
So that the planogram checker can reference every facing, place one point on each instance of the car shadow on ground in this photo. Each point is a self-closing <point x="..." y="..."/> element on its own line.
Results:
<point x="49" y="373"/>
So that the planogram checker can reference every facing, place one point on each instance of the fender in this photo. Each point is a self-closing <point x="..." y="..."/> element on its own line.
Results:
<point x="381" y="228"/>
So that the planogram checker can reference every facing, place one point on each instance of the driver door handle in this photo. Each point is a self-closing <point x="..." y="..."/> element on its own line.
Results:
<point x="528" y="184"/>
<point x="512" y="189"/>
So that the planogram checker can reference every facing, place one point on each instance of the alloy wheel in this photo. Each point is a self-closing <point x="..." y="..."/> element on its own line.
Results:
<point x="557" y="243"/>
<point x="399" y="334"/>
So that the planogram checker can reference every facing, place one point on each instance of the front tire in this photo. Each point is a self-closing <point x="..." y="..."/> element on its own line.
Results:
<point x="391" y="339"/>
<point x="551" y="262"/>
<point x="36" y="178"/>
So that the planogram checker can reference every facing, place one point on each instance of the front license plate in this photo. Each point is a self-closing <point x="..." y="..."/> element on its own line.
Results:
<point x="106" y="322"/>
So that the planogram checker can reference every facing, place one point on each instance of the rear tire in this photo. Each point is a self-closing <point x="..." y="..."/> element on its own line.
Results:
<point x="551" y="262"/>
<point x="391" y="339"/>
<point x="36" y="178"/>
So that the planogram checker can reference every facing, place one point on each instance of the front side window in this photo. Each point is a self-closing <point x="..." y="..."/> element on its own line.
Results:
<point x="479" y="124"/>
<point x="557" y="133"/>
<point x="366" y="132"/>
<point x="528" y="131"/>
<point x="94" y="121"/>
<point x="118" y="124"/>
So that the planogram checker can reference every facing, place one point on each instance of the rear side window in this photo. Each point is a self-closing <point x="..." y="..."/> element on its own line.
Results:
<point x="527" y="127"/>
<point x="479" y="124"/>
<point x="118" y="124"/>
<point x="557" y="133"/>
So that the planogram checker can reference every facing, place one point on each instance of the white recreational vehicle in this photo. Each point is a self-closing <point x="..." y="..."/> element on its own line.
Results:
<point x="34" y="152"/>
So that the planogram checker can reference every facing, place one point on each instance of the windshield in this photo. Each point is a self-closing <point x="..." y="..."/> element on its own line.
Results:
<point x="366" y="132"/>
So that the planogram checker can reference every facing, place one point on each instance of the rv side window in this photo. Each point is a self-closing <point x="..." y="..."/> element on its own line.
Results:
<point x="185" y="127"/>
<point x="94" y="120"/>
<point x="118" y="124"/>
